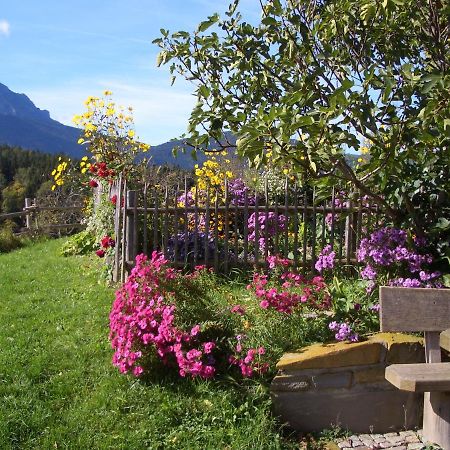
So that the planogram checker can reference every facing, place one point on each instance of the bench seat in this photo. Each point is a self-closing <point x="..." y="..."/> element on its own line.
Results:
<point x="420" y="377"/>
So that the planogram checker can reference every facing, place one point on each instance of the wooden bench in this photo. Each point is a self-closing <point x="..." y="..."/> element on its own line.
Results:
<point x="427" y="310"/>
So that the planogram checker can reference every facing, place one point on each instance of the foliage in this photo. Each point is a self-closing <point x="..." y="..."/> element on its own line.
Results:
<point x="13" y="197"/>
<point x="8" y="240"/>
<point x="332" y="75"/>
<point x="29" y="168"/>
<point x="81" y="243"/>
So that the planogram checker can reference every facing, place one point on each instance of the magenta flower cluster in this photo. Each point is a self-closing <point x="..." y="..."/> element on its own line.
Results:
<point x="248" y="359"/>
<point x="388" y="249"/>
<point x="295" y="290"/>
<point x="143" y="319"/>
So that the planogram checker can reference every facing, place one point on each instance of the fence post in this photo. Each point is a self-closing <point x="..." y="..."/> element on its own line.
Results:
<point x="28" y="203"/>
<point x="130" y="249"/>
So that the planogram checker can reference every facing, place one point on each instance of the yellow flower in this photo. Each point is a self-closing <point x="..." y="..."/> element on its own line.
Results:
<point x="84" y="158"/>
<point x="130" y="133"/>
<point x="106" y="93"/>
<point x="80" y="141"/>
<point x="53" y="187"/>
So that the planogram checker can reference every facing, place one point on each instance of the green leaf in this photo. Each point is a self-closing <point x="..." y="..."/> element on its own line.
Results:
<point x="208" y="23"/>
<point x="446" y="280"/>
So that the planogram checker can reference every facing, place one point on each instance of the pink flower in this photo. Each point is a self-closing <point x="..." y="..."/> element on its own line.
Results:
<point x="208" y="347"/>
<point x="238" y="309"/>
<point x="264" y="304"/>
<point x="195" y="330"/>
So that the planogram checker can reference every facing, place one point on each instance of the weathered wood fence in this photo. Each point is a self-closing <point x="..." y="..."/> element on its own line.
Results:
<point x="218" y="229"/>
<point x="31" y="220"/>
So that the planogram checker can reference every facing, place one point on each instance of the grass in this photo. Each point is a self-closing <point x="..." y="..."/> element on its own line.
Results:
<point x="58" y="388"/>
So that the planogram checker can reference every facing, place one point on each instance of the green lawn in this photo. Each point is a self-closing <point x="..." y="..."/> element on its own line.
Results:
<point x="58" y="388"/>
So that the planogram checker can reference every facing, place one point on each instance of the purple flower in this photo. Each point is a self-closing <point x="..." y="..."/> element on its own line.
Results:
<point x="325" y="259"/>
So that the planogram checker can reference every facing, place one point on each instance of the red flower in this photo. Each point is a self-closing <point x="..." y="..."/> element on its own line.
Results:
<point x="107" y="242"/>
<point x="100" y="253"/>
<point x="93" y="183"/>
<point x="114" y="199"/>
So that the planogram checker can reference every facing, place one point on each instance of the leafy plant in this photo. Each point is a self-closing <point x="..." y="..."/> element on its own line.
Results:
<point x="336" y="76"/>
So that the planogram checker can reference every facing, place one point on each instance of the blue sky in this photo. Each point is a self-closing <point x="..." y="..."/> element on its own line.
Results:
<point x="60" y="52"/>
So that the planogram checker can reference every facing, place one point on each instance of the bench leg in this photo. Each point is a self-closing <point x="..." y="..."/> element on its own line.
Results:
<point x="436" y="418"/>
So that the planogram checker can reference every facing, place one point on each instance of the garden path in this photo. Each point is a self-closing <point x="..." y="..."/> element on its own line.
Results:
<point x="404" y="440"/>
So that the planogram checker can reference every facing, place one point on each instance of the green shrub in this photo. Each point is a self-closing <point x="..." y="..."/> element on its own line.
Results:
<point x="8" y="240"/>
<point x="81" y="243"/>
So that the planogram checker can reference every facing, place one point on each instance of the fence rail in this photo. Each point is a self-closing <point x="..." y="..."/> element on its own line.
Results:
<point x="30" y="214"/>
<point x="217" y="229"/>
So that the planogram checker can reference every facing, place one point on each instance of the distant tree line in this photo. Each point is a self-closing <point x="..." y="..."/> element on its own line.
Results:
<point x="23" y="173"/>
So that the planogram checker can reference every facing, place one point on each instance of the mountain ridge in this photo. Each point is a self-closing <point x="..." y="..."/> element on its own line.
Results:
<point x="23" y="124"/>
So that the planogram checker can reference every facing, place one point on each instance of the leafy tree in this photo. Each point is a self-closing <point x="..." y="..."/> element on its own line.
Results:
<point x="315" y="79"/>
<point x="13" y="197"/>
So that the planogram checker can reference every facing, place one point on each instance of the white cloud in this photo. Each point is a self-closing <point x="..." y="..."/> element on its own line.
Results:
<point x="5" y="28"/>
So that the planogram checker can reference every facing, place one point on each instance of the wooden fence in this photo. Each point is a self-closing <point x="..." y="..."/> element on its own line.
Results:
<point x="218" y="230"/>
<point x="32" y="218"/>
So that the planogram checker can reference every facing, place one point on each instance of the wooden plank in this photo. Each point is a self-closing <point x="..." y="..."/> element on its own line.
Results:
<point x="14" y="214"/>
<point x="414" y="309"/>
<point x="207" y="219"/>
<point x="333" y="198"/>
<point x="245" y="226"/>
<point x="175" y="225"/>
<point x="145" y="235"/>
<point x="420" y="377"/>
<point x="124" y="231"/>
<point x="288" y="219"/>
<point x="156" y="245"/>
<point x="432" y="348"/>
<point x="196" y="226"/>
<point x="186" y="218"/>
<point x="226" y="226"/>
<point x="314" y="232"/>
<point x="256" y="254"/>
<point x="436" y="418"/>
<point x="117" y="232"/>
<point x="445" y="340"/>
<point x="216" y="231"/>
<point x="266" y="219"/>
<point x="305" y="226"/>
<point x="166" y="222"/>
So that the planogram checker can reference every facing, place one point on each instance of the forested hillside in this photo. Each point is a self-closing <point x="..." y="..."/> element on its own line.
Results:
<point x="22" y="173"/>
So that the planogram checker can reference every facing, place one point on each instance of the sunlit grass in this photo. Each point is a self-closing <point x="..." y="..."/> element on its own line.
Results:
<point x="58" y="388"/>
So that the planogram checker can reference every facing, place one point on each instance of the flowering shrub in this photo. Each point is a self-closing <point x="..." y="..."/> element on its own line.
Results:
<point x="389" y="256"/>
<point x="268" y="224"/>
<point x="143" y="317"/>
<point x="296" y="289"/>
<point x="248" y="360"/>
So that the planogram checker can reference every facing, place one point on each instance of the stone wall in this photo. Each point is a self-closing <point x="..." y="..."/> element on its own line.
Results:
<point x="343" y="384"/>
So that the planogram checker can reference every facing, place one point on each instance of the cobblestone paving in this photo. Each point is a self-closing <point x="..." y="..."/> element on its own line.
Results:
<point x="404" y="440"/>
